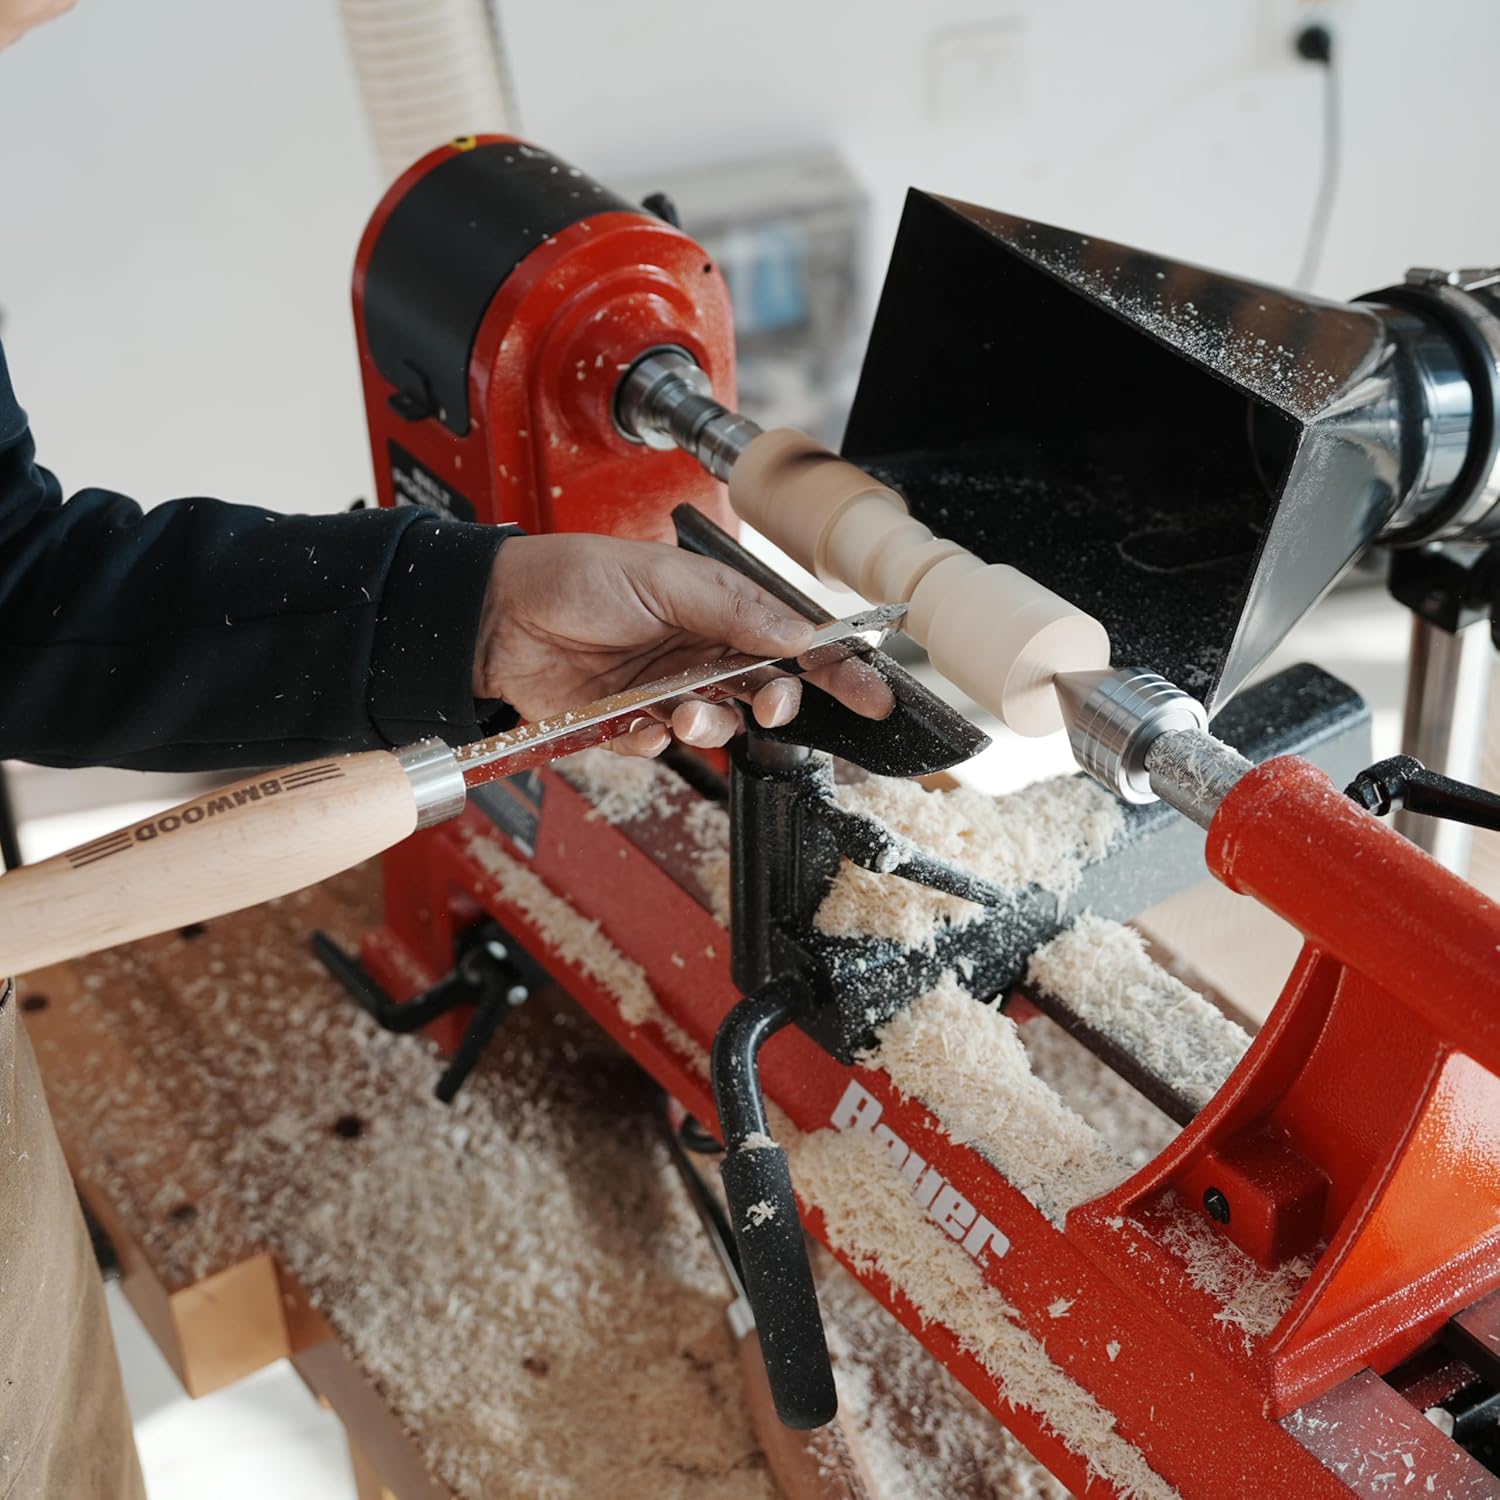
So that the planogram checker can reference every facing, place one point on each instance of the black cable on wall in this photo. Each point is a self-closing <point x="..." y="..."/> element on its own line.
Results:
<point x="1315" y="44"/>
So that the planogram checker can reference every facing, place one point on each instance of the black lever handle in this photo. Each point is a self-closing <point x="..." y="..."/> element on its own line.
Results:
<point x="1403" y="781"/>
<point x="763" y="1211"/>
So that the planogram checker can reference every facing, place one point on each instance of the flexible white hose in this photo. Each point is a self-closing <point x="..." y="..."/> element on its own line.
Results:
<point x="427" y="70"/>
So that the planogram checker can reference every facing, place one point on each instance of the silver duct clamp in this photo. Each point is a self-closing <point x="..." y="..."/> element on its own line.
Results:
<point x="1113" y="719"/>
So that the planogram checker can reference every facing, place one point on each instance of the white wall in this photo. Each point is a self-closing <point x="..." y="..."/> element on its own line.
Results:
<point x="1186" y="127"/>
<point x="183" y="182"/>
<point x="182" y="187"/>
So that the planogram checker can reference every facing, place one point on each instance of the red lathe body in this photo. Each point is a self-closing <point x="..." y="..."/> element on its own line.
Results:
<point x="499" y="297"/>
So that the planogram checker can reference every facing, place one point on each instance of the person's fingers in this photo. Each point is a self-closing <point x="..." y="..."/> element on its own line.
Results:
<point x="706" y="725"/>
<point x="714" y="602"/>
<point x="777" y="702"/>
<point x="647" y="742"/>
<point x="856" y="685"/>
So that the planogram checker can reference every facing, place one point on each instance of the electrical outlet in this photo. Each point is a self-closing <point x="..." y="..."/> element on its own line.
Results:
<point x="1274" y="24"/>
<point x="976" y="72"/>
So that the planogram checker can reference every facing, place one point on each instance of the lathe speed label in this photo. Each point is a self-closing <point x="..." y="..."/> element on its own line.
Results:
<point x="413" y="483"/>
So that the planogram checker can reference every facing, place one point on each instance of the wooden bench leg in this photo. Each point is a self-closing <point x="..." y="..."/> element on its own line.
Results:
<point x="368" y="1484"/>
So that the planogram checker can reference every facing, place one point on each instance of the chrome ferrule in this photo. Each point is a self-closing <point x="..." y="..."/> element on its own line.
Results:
<point x="437" y="783"/>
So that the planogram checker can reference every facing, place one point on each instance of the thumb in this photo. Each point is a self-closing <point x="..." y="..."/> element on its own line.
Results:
<point x="714" y="602"/>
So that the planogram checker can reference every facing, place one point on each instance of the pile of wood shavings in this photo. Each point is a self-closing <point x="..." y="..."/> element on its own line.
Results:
<point x="624" y="789"/>
<point x="621" y="787"/>
<point x="966" y="1062"/>
<point x="1250" y="1298"/>
<point x="874" y="1220"/>
<point x="518" y="1274"/>
<point x="1102" y="971"/>
<point x="1042" y="836"/>
<point x="916" y="1447"/>
<point x="1063" y="1128"/>
<point x="578" y="940"/>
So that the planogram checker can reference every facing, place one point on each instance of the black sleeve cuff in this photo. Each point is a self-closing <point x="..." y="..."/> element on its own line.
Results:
<point x="422" y="663"/>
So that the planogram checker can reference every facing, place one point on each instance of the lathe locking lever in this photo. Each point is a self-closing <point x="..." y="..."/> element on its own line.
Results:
<point x="763" y="1210"/>
<point x="1403" y="781"/>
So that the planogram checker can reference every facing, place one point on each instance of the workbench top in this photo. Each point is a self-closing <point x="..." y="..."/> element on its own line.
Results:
<point x="509" y="1296"/>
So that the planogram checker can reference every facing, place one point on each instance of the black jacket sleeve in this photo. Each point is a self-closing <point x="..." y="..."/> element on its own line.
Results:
<point x="201" y="635"/>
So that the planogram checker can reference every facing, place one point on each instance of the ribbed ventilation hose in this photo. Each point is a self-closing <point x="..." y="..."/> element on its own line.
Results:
<point x="427" y="70"/>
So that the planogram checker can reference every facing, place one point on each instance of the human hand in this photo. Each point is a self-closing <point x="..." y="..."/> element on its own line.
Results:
<point x="569" y="618"/>
<point x="17" y="17"/>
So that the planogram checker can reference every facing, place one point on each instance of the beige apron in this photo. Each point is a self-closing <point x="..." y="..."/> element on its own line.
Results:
<point x="64" y="1428"/>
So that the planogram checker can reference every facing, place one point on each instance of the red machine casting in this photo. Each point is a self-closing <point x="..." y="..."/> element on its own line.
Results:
<point x="499" y="297"/>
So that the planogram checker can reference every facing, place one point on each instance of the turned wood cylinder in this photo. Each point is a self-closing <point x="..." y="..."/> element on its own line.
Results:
<point x="988" y="628"/>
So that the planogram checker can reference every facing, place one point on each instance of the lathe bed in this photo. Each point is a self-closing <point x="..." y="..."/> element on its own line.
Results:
<point x="462" y="1286"/>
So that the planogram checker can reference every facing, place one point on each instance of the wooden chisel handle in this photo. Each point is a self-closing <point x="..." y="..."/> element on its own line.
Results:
<point x="823" y="1464"/>
<point x="283" y="830"/>
<point x="262" y="837"/>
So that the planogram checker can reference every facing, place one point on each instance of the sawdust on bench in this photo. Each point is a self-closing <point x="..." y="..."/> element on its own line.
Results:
<point x="1042" y="836"/>
<point x="967" y="1063"/>
<point x="624" y="789"/>
<point x="1103" y="973"/>
<point x="519" y="1274"/>
<point x="874" y="1220"/>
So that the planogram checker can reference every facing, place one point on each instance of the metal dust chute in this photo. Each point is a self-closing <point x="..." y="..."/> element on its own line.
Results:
<point x="1190" y="457"/>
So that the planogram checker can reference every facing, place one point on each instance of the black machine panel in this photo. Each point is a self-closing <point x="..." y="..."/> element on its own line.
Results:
<point x="444" y="252"/>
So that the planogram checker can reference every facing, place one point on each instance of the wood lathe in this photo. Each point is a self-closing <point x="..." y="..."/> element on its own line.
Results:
<point x="1265" y="1290"/>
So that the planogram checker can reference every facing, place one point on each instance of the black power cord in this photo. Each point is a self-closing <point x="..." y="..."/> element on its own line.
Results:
<point x="1315" y="45"/>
